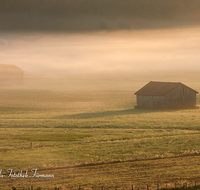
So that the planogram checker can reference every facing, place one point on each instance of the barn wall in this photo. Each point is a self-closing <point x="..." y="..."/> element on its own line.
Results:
<point x="150" y="101"/>
<point x="11" y="78"/>
<point x="180" y="96"/>
<point x="17" y="79"/>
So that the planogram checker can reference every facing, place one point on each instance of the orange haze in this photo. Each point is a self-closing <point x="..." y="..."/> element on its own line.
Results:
<point x="123" y="51"/>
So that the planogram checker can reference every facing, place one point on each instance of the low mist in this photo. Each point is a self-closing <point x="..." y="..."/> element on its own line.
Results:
<point x="103" y="52"/>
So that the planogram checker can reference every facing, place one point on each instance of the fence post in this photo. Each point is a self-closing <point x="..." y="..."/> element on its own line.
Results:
<point x="115" y="187"/>
<point x="147" y="187"/>
<point x="79" y="187"/>
<point x="157" y="186"/>
<point x="102" y="187"/>
<point x="195" y="184"/>
<point x="166" y="186"/>
<point x="175" y="185"/>
<point x="31" y="187"/>
<point x="132" y="187"/>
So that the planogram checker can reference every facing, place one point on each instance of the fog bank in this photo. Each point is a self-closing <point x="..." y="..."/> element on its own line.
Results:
<point x="103" y="52"/>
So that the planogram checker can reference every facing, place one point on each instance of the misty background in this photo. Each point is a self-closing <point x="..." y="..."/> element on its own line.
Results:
<point x="101" y="37"/>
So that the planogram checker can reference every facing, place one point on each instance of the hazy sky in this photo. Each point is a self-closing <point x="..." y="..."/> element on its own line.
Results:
<point x="133" y="51"/>
<point x="95" y="15"/>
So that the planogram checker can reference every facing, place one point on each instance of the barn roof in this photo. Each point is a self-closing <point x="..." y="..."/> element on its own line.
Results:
<point x="159" y="88"/>
<point x="10" y="68"/>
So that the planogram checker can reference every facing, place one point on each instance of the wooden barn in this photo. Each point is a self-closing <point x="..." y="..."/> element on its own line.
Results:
<point x="164" y="95"/>
<point x="11" y="75"/>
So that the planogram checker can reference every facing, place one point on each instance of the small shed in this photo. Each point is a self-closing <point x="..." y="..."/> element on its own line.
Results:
<point x="11" y="75"/>
<point x="164" y="95"/>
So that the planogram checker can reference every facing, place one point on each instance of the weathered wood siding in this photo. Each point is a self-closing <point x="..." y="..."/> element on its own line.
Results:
<point x="150" y="101"/>
<point x="180" y="96"/>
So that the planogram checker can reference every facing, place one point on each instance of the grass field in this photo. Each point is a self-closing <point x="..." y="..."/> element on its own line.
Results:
<point x="57" y="123"/>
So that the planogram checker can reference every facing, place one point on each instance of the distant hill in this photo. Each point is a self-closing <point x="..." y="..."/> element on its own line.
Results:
<point x="79" y="15"/>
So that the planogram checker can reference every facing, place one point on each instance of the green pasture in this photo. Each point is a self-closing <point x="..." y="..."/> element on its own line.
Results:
<point x="58" y="123"/>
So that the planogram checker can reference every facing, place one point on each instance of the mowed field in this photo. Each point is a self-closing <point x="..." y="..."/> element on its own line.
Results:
<point x="64" y="127"/>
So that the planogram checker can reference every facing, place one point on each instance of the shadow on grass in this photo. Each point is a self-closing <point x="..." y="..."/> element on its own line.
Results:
<point x="118" y="112"/>
<point x="107" y="113"/>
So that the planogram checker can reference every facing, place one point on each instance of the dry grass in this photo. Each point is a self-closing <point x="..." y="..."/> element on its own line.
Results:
<point x="138" y="173"/>
<point x="56" y="126"/>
